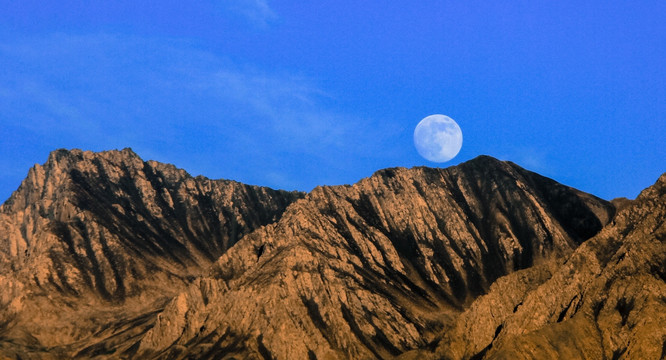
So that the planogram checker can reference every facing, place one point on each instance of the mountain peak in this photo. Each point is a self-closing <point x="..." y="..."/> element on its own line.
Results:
<point x="60" y="155"/>
<point x="192" y="267"/>
<point x="403" y="246"/>
<point x="485" y="159"/>
<point x="98" y="223"/>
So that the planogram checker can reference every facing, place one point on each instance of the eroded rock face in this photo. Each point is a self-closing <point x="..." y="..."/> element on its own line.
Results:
<point x="87" y="231"/>
<point x="376" y="269"/>
<point x="607" y="300"/>
<point x="103" y="255"/>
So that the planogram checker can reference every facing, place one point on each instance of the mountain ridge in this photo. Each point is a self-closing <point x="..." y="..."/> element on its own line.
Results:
<point x="405" y="263"/>
<point x="107" y="229"/>
<point x="351" y="217"/>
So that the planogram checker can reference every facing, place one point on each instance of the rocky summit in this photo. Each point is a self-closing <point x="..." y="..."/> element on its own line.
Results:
<point x="95" y="242"/>
<point x="106" y="256"/>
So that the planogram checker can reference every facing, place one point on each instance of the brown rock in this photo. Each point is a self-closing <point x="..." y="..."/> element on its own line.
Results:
<point x="379" y="268"/>
<point x="607" y="300"/>
<point x="93" y="238"/>
<point x="103" y="255"/>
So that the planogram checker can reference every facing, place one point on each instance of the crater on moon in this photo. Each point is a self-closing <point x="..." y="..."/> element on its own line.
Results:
<point x="438" y="138"/>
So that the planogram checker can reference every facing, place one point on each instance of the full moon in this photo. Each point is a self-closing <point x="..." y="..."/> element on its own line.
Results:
<point x="438" y="138"/>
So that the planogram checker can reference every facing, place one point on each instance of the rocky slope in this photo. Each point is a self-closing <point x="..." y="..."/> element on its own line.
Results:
<point x="608" y="300"/>
<point x="105" y="256"/>
<point x="90" y="239"/>
<point x="376" y="269"/>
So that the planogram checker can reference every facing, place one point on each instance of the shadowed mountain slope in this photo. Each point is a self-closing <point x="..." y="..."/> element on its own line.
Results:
<point x="105" y="256"/>
<point x="88" y="233"/>
<point x="608" y="300"/>
<point x="376" y="269"/>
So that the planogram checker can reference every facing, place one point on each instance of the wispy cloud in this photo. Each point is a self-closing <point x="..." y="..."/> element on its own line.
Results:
<point x="289" y="106"/>
<point x="172" y="100"/>
<point x="257" y="12"/>
<point x="533" y="159"/>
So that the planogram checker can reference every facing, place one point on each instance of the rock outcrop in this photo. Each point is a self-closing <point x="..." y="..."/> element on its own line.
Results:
<point x="376" y="269"/>
<point x="106" y="256"/>
<point x="87" y="234"/>
<point x="607" y="300"/>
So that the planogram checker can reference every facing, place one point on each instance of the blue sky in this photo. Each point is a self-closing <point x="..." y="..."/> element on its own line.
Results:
<point x="293" y="95"/>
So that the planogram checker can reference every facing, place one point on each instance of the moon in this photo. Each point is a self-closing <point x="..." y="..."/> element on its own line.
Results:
<point x="438" y="138"/>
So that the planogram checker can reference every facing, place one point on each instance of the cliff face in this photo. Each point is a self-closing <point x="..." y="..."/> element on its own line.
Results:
<point x="608" y="300"/>
<point x="103" y="255"/>
<point x="106" y="229"/>
<point x="378" y="268"/>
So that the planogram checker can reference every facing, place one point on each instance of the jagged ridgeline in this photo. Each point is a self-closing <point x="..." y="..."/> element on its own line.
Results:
<point x="86" y="231"/>
<point x="104" y="255"/>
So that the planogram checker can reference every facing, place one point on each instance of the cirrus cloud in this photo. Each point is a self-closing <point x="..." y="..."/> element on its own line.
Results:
<point x="257" y="12"/>
<point x="174" y="101"/>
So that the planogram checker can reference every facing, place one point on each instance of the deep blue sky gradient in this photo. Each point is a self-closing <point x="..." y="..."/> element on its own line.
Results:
<point x="293" y="95"/>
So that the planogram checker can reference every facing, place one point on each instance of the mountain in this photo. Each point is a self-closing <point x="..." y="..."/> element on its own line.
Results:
<point x="606" y="301"/>
<point x="88" y="232"/>
<point x="104" y="255"/>
<point x="378" y="268"/>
